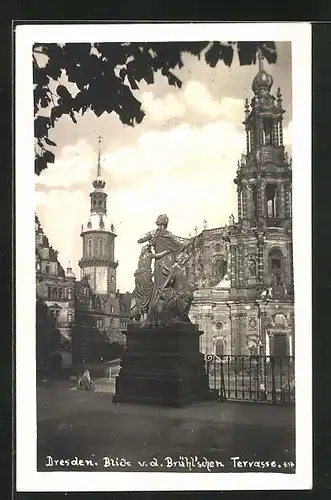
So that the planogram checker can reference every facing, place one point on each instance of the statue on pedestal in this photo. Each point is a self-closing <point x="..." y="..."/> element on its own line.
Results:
<point x="168" y="298"/>
<point x="144" y="279"/>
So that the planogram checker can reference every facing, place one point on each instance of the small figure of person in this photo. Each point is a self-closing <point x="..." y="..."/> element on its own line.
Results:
<point x="144" y="278"/>
<point x="85" y="382"/>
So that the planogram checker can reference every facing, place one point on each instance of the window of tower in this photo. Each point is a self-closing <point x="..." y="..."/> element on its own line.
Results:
<point x="271" y="199"/>
<point x="219" y="268"/>
<point x="275" y="261"/>
<point x="254" y="201"/>
<point x="100" y="246"/>
<point x="89" y="247"/>
<point x="267" y="131"/>
<point x="219" y="347"/>
<point x="249" y="141"/>
<point x="94" y="203"/>
<point x="100" y="203"/>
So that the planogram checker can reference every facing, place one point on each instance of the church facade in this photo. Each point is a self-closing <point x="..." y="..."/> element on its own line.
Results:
<point x="244" y="302"/>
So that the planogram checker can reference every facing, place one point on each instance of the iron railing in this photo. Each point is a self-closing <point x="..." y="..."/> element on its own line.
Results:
<point x="252" y="378"/>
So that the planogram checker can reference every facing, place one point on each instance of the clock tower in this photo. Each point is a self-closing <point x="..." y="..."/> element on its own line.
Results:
<point x="98" y="263"/>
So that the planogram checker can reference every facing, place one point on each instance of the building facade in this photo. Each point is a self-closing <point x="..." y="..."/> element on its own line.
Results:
<point x="244" y="302"/>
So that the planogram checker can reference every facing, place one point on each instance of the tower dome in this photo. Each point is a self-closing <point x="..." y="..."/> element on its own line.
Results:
<point x="262" y="80"/>
<point x="99" y="183"/>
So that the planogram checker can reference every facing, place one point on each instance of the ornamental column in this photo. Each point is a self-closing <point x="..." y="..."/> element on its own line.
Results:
<point x="280" y="129"/>
<point x="249" y="202"/>
<point x="233" y="265"/>
<point x="259" y="212"/>
<point x="262" y="198"/>
<point x="260" y="260"/>
<point x="288" y="201"/>
<point x="240" y="250"/>
<point x="282" y="200"/>
<point x="248" y="145"/>
<point x="244" y="201"/>
<point x="239" y="202"/>
<point x="275" y="133"/>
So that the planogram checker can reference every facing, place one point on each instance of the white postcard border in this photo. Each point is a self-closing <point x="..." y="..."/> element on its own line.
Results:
<point x="28" y="479"/>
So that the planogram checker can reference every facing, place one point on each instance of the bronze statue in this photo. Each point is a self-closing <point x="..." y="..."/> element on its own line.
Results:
<point x="144" y="278"/>
<point x="173" y="300"/>
<point x="167" y="298"/>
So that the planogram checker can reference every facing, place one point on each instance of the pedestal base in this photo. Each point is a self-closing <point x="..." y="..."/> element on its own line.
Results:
<point x="162" y="366"/>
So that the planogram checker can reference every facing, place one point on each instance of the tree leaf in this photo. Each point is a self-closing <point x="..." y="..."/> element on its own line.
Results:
<point x="49" y="142"/>
<point x="101" y="89"/>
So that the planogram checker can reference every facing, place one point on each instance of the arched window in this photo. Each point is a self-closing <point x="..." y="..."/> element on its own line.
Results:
<point x="100" y="203"/>
<point x="69" y="293"/>
<point x="89" y="247"/>
<point x="267" y="131"/>
<point x="61" y="294"/>
<point x="100" y="247"/>
<point x="219" y="347"/>
<point x="219" y="268"/>
<point x="218" y="247"/>
<point x="275" y="261"/>
<point x="271" y="199"/>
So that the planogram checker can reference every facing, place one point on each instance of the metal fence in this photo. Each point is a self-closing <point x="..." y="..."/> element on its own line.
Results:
<point x="252" y="378"/>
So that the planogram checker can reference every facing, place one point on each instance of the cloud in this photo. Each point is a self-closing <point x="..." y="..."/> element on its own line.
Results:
<point x="61" y="214"/>
<point x="73" y="165"/>
<point x="195" y="98"/>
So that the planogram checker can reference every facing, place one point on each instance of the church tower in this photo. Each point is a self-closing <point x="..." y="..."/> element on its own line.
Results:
<point x="264" y="186"/>
<point x="98" y="263"/>
<point x="245" y="300"/>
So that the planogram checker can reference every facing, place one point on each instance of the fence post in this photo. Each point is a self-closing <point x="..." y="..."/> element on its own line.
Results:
<point x="273" y="382"/>
<point x="222" y="396"/>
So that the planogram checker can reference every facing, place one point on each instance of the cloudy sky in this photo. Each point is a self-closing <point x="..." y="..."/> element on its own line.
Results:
<point x="181" y="160"/>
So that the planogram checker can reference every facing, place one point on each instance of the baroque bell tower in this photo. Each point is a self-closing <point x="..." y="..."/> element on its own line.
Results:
<point x="98" y="263"/>
<point x="264" y="187"/>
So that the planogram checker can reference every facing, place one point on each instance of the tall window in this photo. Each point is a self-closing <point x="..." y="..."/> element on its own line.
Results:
<point x="219" y="268"/>
<point x="254" y="201"/>
<point x="100" y="247"/>
<point x="267" y="131"/>
<point x="111" y="309"/>
<point x="219" y="347"/>
<point x="69" y="293"/>
<point x="271" y="199"/>
<point x="61" y="294"/>
<point x="69" y="316"/>
<point x="89" y="247"/>
<point x="275" y="262"/>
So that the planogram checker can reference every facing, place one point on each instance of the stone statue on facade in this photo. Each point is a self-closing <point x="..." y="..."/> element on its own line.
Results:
<point x="250" y="266"/>
<point x="231" y="220"/>
<point x="165" y="295"/>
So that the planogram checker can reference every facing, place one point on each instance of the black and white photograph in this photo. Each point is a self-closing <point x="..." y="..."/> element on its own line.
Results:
<point x="163" y="256"/>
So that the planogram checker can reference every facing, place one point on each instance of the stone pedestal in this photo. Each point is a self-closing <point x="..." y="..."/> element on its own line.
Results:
<point x="162" y="366"/>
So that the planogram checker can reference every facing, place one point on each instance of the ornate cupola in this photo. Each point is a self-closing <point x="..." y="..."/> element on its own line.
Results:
<point x="264" y="171"/>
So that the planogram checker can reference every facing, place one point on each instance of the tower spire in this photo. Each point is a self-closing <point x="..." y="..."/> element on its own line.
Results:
<point x="260" y="59"/>
<point x="99" y="161"/>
